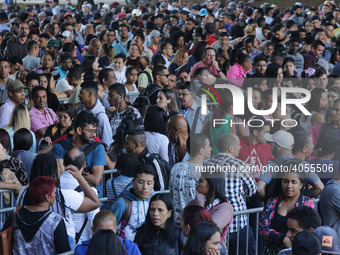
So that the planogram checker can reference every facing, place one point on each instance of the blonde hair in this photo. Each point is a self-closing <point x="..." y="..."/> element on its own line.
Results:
<point x="104" y="215"/>
<point x="179" y="56"/>
<point x="249" y="29"/>
<point x="20" y="118"/>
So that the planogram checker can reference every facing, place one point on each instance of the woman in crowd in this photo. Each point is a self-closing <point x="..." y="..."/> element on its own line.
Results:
<point x="275" y="72"/>
<point x="155" y="130"/>
<point x="47" y="81"/>
<point x="204" y="239"/>
<point x="23" y="141"/>
<point x="158" y="234"/>
<point x="67" y="201"/>
<point x="13" y="164"/>
<point x="35" y="227"/>
<point x="166" y="99"/>
<point x="211" y="195"/>
<point x="66" y="115"/>
<point x="273" y="223"/>
<point x="134" y="60"/>
<point x="178" y="38"/>
<point x="197" y="55"/>
<point x="335" y="57"/>
<point x="181" y="58"/>
<point x="130" y="84"/>
<point x="91" y="66"/>
<point x="20" y="118"/>
<point x="107" y="52"/>
<point x="317" y="106"/>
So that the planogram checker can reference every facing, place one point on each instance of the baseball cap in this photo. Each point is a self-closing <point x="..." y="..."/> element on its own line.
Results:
<point x="203" y="12"/>
<point x="164" y="4"/>
<point x="315" y="17"/>
<point x="99" y="29"/>
<point x="282" y="138"/>
<point x="136" y="13"/>
<point x="15" y="85"/>
<point x="154" y="33"/>
<point x="67" y="34"/>
<point x="53" y="43"/>
<point x="306" y="243"/>
<point x="329" y="239"/>
<point x="66" y="15"/>
<point x="106" y="6"/>
<point x="120" y="15"/>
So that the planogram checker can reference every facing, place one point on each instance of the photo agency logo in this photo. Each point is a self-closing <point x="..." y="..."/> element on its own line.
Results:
<point x="242" y="103"/>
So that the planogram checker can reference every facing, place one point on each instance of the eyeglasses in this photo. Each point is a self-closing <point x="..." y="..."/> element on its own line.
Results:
<point x="183" y="94"/>
<point x="91" y="131"/>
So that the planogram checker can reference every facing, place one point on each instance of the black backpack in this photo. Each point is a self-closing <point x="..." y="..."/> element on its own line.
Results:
<point x="67" y="146"/>
<point x="162" y="169"/>
<point x="143" y="99"/>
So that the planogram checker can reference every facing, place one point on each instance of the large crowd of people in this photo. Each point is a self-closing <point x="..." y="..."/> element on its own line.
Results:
<point x="156" y="92"/>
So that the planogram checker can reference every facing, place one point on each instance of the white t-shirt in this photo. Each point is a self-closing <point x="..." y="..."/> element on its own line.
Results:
<point x="158" y="144"/>
<point x="132" y="98"/>
<point x="121" y="78"/>
<point x="63" y="85"/>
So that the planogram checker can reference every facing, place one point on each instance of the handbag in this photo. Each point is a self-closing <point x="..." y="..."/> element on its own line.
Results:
<point x="8" y="177"/>
<point x="6" y="237"/>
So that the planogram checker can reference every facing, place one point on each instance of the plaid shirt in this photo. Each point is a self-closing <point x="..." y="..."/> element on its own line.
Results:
<point x="237" y="186"/>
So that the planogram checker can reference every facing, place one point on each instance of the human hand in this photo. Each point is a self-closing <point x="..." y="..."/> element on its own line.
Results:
<point x="287" y="242"/>
<point x="74" y="171"/>
<point x="48" y="140"/>
<point x="213" y="252"/>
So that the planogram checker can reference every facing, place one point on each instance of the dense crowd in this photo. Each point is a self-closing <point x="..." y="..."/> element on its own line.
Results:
<point x="204" y="110"/>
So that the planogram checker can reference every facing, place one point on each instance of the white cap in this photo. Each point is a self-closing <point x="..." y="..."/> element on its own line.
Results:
<point x="282" y="138"/>
<point x="136" y="12"/>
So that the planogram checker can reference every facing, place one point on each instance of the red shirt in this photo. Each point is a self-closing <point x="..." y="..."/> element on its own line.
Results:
<point x="211" y="39"/>
<point x="255" y="155"/>
<point x="153" y="50"/>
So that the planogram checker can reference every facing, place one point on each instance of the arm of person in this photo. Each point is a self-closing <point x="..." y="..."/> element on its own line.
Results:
<point x="40" y="132"/>
<point x="261" y="190"/>
<point x="265" y="223"/>
<point x="47" y="149"/>
<point x="61" y="239"/>
<point x="317" y="188"/>
<point x="15" y="187"/>
<point x="118" y="209"/>
<point x="96" y="176"/>
<point x="249" y="185"/>
<point x="109" y="163"/>
<point x="91" y="200"/>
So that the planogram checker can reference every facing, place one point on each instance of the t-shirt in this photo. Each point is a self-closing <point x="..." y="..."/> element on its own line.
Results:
<point x="63" y="85"/>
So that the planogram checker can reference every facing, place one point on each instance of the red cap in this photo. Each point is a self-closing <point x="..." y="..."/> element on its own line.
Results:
<point x="66" y="15"/>
<point x="120" y="15"/>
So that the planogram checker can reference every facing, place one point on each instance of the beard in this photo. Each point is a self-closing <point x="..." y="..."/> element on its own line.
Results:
<point x="84" y="139"/>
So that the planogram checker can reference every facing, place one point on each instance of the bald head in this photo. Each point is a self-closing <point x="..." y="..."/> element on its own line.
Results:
<point x="228" y="143"/>
<point x="76" y="157"/>
<point x="94" y="46"/>
<point x="180" y="123"/>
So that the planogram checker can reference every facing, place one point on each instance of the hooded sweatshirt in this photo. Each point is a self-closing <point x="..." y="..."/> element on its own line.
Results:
<point x="138" y="214"/>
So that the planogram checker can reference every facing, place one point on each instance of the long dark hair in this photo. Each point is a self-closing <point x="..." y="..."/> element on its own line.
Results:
<point x="216" y="190"/>
<point x="87" y="64"/>
<point x="155" y="120"/>
<point x="199" y="235"/>
<point x="106" y="242"/>
<point x="170" y="230"/>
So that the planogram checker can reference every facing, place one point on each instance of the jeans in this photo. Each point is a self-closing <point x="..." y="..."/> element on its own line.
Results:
<point x="242" y="242"/>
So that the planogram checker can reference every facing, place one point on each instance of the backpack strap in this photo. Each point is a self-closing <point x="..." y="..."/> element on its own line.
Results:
<point x="78" y="235"/>
<point x="66" y="146"/>
<point x="194" y="124"/>
<point x="91" y="147"/>
<point x="54" y="130"/>
<point x="128" y="210"/>
<point x="228" y="226"/>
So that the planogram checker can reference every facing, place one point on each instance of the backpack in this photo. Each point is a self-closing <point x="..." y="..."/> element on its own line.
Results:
<point x="126" y="216"/>
<point x="144" y="99"/>
<point x="148" y="76"/>
<point x="67" y="146"/>
<point x="107" y="204"/>
<point x="163" y="169"/>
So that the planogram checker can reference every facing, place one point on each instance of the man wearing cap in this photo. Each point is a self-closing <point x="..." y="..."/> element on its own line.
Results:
<point x="316" y="21"/>
<point x="159" y="19"/>
<point x="86" y="12"/>
<point x="93" y="49"/>
<point x="155" y="38"/>
<point x="68" y="18"/>
<point x="18" y="45"/>
<point x="306" y="243"/>
<point x="67" y="36"/>
<point x="329" y="240"/>
<point x="330" y="203"/>
<point x="52" y="47"/>
<point x="281" y="146"/>
<point x="16" y="95"/>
